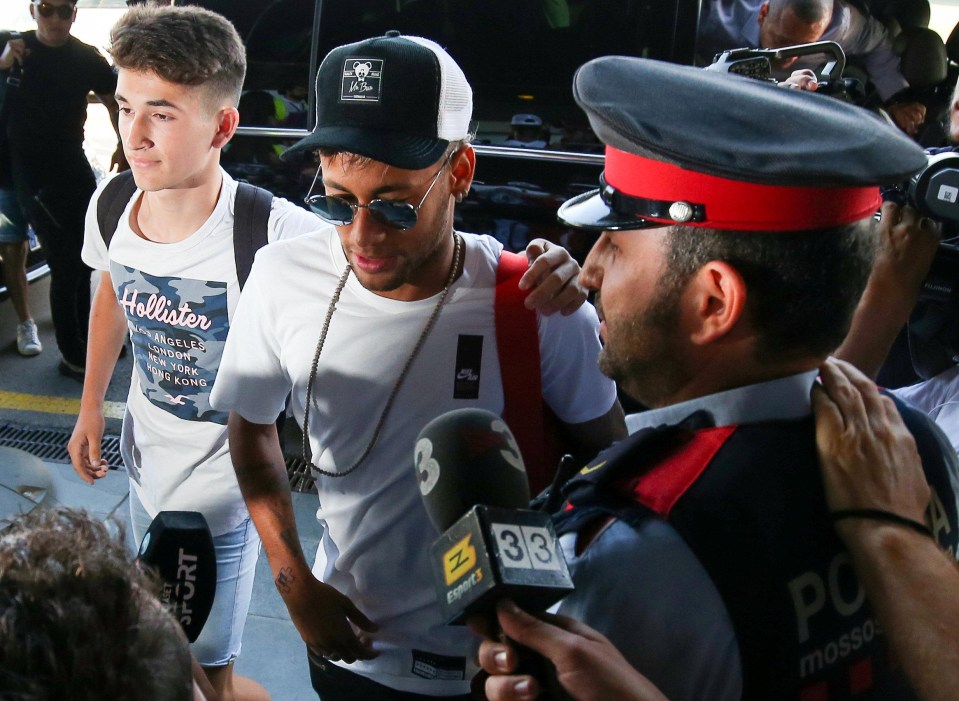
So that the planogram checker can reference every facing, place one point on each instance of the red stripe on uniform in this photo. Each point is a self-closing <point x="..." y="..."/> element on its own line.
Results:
<point x="663" y="485"/>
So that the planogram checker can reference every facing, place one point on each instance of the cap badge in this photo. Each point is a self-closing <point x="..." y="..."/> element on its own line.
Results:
<point x="681" y="211"/>
<point x="362" y="80"/>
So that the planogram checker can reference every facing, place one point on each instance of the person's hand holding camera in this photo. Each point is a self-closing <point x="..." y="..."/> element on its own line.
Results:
<point x="802" y="79"/>
<point x="907" y="245"/>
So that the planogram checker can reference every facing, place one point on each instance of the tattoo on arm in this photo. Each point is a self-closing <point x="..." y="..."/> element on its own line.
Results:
<point x="284" y="579"/>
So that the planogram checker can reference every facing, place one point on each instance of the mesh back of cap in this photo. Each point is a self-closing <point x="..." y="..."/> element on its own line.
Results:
<point x="456" y="96"/>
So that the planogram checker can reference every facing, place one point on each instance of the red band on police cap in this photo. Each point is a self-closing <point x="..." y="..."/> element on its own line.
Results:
<point x="738" y="205"/>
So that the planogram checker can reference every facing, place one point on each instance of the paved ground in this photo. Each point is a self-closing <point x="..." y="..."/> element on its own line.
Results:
<point x="31" y="390"/>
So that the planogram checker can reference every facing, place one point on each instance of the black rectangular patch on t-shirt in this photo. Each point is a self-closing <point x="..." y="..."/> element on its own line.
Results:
<point x="469" y="358"/>
<point x="429" y="665"/>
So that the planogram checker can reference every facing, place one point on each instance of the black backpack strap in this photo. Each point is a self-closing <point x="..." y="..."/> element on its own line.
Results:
<point x="111" y="203"/>
<point x="251" y="218"/>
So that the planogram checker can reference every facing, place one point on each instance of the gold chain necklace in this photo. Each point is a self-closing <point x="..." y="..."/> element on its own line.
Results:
<point x="307" y="450"/>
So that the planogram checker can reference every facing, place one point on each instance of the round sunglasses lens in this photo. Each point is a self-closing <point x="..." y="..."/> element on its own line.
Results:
<point x="399" y="215"/>
<point x="331" y="209"/>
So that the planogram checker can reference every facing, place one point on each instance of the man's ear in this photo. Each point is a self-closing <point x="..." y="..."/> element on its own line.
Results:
<point x="718" y="301"/>
<point x="227" y="120"/>
<point x="462" y="168"/>
<point x="763" y="12"/>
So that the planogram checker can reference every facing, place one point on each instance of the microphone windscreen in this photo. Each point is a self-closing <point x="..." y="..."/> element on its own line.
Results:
<point x="178" y="546"/>
<point x="467" y="457"/>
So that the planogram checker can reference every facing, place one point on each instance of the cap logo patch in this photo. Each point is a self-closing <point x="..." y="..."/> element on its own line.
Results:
<point x="362" y="80"/>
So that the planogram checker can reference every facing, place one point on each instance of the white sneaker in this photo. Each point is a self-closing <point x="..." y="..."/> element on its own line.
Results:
<point x="28" y="340"/>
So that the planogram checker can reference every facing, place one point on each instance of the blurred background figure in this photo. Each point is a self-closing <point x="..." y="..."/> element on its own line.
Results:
<point x="43" y="127"/>
<point x="14" y="244"/>
<point x="773" y="24"/>
<point x="292" y="107"/>
<point x="527" y="131"/>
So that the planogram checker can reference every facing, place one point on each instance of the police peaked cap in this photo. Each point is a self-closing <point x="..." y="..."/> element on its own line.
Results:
<point x="722" y="151"/>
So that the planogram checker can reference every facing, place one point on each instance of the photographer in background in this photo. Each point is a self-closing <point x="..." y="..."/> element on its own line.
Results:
<point x="908" y="246"/>
<point x="730" y="24"/>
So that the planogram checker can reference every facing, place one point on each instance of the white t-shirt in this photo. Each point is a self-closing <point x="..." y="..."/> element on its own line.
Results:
<point x="939" y="398"/>
<point x="376" y="530"/>
<point x="178" y="299"/>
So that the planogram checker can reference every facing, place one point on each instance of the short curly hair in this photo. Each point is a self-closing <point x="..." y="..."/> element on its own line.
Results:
<point x="182" y="45"/>
<point x="79" y="620"/>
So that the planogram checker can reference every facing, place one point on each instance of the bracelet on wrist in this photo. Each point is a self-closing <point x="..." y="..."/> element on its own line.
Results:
<point x="881" y="515"/>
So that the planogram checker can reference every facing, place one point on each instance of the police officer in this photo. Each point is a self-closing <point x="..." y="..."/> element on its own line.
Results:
<point x="735" y="242"/>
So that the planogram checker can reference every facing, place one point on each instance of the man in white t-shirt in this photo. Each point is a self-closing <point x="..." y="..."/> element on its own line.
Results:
<point x="374" y="328"/>
<point x="169" y="280"/>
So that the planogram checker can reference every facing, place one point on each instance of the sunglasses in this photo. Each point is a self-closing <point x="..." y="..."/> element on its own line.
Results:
<point x="62" y="11"/>
<point x="392" y="213"/>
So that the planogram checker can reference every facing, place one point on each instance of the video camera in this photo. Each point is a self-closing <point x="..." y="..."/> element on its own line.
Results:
<point x="758" y="64"/>
<point x="934" y="190"/>
<point x="934" y="324"/>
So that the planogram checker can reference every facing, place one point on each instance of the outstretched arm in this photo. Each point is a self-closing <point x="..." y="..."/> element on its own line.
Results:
<point x="869" y="462"/>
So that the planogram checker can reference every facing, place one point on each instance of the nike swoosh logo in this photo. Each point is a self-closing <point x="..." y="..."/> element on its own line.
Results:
<point x="591" y="468"/>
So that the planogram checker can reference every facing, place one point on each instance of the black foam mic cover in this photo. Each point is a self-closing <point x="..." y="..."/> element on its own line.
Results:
<point x="467" y="457"/>
<point x="475" y="490"/>
<point x="178" y="546"/>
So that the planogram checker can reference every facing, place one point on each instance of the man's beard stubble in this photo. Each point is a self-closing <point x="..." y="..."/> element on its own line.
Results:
<point x="643" y="352"/>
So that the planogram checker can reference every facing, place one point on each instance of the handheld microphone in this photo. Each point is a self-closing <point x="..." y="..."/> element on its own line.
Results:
<point x="474" y="487"/>
<point x="178" y="546"/>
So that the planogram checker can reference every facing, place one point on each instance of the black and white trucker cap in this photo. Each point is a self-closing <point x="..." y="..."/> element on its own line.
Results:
<point x="399" y="100"/>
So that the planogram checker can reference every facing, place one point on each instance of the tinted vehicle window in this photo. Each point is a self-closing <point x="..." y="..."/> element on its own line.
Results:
<point x="279" y="41"/>
<point x="519" y="56"/>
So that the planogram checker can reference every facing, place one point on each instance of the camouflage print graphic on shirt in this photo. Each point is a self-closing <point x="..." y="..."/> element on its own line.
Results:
<point x="178" y="327"/>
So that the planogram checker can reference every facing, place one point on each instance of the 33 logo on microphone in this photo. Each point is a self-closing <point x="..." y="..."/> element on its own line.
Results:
<point x="525" y="547"/>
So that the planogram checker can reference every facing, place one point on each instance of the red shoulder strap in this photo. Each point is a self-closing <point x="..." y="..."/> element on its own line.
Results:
<point x="517" y="343"/>
<point x="662" y="486"/>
